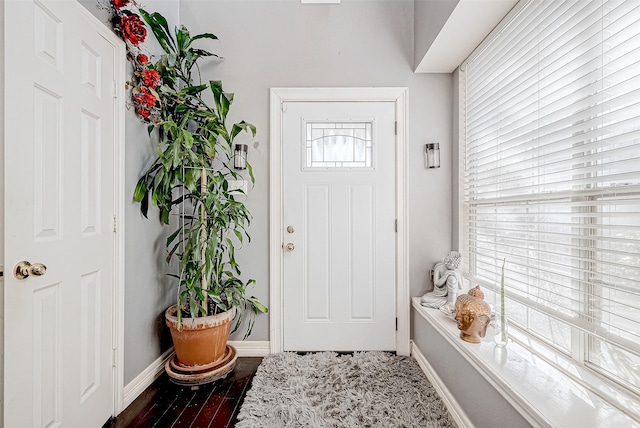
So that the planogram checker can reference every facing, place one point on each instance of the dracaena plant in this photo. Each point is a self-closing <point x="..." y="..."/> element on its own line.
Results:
<point x="192" y="170"/>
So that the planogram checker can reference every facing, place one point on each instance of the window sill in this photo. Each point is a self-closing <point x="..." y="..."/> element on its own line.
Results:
<point x="535" y="386"/>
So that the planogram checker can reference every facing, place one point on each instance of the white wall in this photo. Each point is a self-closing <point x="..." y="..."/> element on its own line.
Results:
<point x="287" y="44"/>
<point x="429" y="18"/>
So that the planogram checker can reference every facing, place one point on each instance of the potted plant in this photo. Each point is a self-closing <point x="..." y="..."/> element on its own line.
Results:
<point x="192" y="171"/>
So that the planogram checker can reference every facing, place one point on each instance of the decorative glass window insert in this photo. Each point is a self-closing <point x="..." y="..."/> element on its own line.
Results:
<point x="339" y="145"/>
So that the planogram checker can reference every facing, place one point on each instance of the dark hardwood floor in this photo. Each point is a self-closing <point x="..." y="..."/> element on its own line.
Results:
<point x="166" y="405"/>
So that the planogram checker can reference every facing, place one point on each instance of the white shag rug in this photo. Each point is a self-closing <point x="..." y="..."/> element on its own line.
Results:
<point x="364" y="389"/>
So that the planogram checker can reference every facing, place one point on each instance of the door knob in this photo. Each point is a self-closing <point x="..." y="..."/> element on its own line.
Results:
<point x="290" y="246"/>
<point x="24" y="269"/>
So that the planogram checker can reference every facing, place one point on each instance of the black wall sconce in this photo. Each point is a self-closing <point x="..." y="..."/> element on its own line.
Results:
<point x="432" y="155"/>
<point x="240" y="156"/>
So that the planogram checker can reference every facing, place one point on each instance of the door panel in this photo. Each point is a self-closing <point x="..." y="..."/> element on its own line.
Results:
<point x="361" y="244"/>
<point x="339" y="199"/>
<point x="317" y="263"/>
<point x="59" y="207"/>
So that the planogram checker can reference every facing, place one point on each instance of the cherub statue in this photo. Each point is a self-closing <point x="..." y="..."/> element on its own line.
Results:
<point x="447" y="280"/>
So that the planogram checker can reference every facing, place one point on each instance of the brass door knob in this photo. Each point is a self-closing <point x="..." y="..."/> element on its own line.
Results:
<point x="290" y="246"/>
<point x="24" y="269"/>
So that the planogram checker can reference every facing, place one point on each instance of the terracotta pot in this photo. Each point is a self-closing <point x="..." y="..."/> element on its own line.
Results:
<point x="202" y="340"/>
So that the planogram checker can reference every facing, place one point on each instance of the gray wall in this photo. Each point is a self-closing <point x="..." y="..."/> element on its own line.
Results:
<point x="429" y="18"/>
<point x="148" y="290"/>
<point x="482" y="403"/>
<point x="286" y="44"/>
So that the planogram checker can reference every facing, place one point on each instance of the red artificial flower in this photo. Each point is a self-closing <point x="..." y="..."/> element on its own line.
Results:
<point x="132" y="29"/>
<point x="144" y="113"/>
<point x="151" y="78"/>
<point x="142" y="59"/>
<point x="119" y="3"/>
<point x="145" y="97"/>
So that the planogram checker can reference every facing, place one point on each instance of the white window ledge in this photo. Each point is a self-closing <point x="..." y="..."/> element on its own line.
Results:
<point x="534" y="382"/>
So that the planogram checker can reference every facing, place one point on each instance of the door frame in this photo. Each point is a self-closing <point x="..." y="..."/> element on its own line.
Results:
<point x="119" y="64"/>
<point x="400" y="97"/>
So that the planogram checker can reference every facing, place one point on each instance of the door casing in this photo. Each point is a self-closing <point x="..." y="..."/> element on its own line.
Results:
<point x="397" y="95"/>
<point x="119" y="203"/>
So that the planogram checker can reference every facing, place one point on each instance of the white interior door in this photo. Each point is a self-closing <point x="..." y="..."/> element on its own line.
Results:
<point x="59" y="208"/>
<point x="339" y="226"/>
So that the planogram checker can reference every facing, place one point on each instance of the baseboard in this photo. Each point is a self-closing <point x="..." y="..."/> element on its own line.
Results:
<point x="141" y="382"/>
<point x="457" y="413"/>
<point x="251" y="348"/>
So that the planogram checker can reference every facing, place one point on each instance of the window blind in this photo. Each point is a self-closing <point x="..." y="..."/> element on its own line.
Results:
<point x="551" y="177"/>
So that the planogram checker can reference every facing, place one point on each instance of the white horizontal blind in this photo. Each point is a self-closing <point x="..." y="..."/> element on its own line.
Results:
<point x="552" y="177"/>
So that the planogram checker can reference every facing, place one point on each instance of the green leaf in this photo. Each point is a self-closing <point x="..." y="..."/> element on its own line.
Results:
<point x="216" y="88"/>
<point x="191" y="90"/>
<point x="160" y="29"/>
<point x="144" y="205"/>
<point x="172" y="251"/>
<point x="223" y="107"/>
<point x="193" y="307"/>
<point x="182" y="38"/>
<point x="141" y="189"/>
<point x="191" y="180"/>
<point x="164" y="215"/>
<point x="203" y="53"/>
<point x="157" y="180"/>
<point x="175" y="154"/>
<point x="242" y="126"/>
<point x="250" y="170"/>
<point x="172" y="237"/>
<point x="259" y="306"/>
<point x="187" y="141"/>
<point x="203" y="36"/>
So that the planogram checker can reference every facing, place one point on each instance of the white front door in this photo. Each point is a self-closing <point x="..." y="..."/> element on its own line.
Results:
<point x="339" y="226"/>
<point x="60" y="134"/>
